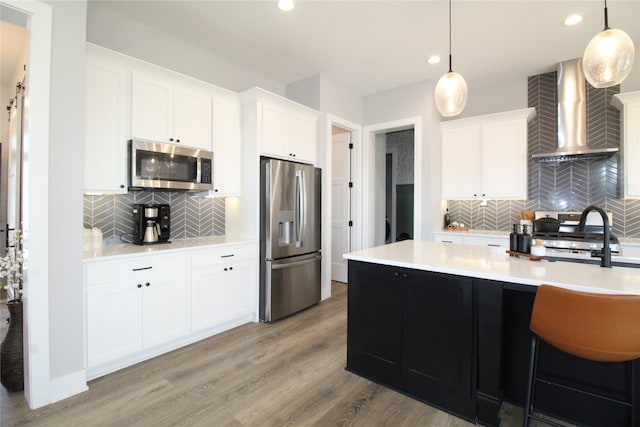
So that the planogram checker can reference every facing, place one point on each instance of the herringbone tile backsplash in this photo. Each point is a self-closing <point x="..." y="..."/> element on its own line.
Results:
<point x="191" y="215"/>
<point x="568" y="186"/>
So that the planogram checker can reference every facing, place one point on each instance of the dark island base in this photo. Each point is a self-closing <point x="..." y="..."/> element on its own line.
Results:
<point x="462" y="345"/>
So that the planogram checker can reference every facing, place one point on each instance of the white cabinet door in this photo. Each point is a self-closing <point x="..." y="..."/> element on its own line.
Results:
<point x="504" y="160"/>
<point x="192" y="118"/>
<point x="164" y="111"/>
<point x="105" y="152"/>
<point x="207" y="297"/>
<point x="459" y="162"/>
<point x="287" y="133"/>
<point x="164" y="308"/>
<point x="239" y="281"/>
<point x="275" y="132"/>
<point x="114" y="321"/>
<point x="486" y="156"/>
<point x="226" y="148"/>
<point x="303" y="137"/>
<point x="151" y="109"/>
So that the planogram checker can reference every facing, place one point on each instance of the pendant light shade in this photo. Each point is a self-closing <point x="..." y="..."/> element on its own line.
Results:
<point x="451" y="90"/>
<point x="451" y="94"/>
<point x="608" y="58"/>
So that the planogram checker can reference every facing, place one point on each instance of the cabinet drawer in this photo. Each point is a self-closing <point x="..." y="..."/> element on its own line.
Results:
<point x="207" y="257"/>
<point x="449" y="238"/>
<point x="105" y="272"/>
<point x="487" y="241"/>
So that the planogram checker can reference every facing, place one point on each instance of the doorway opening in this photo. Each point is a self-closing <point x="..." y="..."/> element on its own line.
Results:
<point x="399" y="186"/>
<point x="404" y="211"/>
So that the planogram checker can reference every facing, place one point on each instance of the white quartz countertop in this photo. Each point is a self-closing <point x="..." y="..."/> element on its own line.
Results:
<point x="127" y="250"/>
<point x="493" y="263"/>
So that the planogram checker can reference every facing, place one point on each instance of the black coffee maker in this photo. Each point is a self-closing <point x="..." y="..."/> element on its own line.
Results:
<point x="151" y="224"/>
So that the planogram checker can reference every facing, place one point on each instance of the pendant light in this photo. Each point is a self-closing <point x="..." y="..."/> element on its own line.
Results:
<point x="608" y="58"/>
<point x="451" y="90"/>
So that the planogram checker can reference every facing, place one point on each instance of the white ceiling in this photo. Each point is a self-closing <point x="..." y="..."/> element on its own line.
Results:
<point x="370" y="46"/>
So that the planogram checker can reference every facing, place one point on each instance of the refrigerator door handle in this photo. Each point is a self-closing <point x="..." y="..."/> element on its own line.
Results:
<point x="299" y="203"/>
<point x="295" y="263"/>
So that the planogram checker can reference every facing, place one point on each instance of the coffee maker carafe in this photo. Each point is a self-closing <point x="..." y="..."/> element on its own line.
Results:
<point x="151" y="224"/>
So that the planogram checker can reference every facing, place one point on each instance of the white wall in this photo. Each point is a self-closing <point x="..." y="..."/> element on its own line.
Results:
<point x="65" y="189"/>
<point x="415" y="100"/>
<point x="122" y="34"/>
<point x="324" y="94"/>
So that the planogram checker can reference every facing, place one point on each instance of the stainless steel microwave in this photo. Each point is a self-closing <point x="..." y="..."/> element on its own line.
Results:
<point x="156" y="165"/>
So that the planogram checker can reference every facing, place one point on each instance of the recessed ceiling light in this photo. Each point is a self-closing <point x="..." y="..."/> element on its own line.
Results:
<point x="286" y="5"/>
<point x="435" y="59"/>
<point x="573" y="20"/>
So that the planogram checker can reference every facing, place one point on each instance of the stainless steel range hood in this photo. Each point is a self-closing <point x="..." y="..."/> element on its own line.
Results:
<point x="572" y="117"/>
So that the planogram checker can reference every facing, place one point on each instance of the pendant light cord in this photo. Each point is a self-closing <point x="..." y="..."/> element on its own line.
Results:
<point x="606" y="16"/>
<point x="450" y="67"/>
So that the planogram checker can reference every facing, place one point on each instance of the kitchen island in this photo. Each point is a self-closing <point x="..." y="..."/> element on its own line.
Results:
<point x="448" y="325"/>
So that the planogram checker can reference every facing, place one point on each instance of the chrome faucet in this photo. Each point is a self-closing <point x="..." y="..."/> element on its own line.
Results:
<point x="605" y="257"/>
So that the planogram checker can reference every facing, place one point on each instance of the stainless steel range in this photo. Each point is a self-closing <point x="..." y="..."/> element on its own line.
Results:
<point x="571" y="243"/>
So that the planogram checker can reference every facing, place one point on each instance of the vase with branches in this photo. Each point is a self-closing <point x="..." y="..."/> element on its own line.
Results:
<point x="11" y="268"/>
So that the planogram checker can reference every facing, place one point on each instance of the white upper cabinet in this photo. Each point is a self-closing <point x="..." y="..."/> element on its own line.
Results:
<point x="283" y="128"/>
<point x="629" y="106"/>
<point x="226" y="146"/>
<point x="106" y="112"/>
<point x="163" y="110"/>
<point x="485" y="157"/>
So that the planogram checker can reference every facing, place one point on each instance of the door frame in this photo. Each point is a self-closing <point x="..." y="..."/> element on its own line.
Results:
<point x="372" y="200"/>
<point x="37" y="378"/>
<point x="327" y="173"/>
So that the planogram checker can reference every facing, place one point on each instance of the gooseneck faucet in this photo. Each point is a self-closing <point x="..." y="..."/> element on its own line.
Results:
<point x="605" y="260"/>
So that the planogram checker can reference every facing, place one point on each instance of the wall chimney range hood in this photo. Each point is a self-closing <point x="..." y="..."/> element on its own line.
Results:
<point x="572" y="118"/>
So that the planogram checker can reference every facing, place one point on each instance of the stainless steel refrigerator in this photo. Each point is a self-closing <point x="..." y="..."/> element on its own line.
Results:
<point x="290" y="250"/>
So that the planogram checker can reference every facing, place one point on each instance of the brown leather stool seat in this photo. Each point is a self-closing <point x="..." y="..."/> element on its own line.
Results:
<point x="599" y="327"/>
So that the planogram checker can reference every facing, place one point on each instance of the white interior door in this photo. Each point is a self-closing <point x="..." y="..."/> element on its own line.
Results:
<point x="340" y="206"/>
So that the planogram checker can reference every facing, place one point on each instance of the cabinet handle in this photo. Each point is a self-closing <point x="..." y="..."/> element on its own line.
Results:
<point x="171" y="139"/>
<point x="446" y="241"/>
<point x="147" y="284"/>
<point x="493" y="245"/>
<point x="121" y="185"/>
<point x="230" y="268"/>
<point x="396" y="274"/>
<point x="226" y="256"/>
<point x="142" y="268"/>
<point x="177" y="140"/>
<point x="139" y="285"/>
<point x="405" y="275"/>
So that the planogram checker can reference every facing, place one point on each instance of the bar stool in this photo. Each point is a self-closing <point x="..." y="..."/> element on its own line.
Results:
<point x="599" y="327"/>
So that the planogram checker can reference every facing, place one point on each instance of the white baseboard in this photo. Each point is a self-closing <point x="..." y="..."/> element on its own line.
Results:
<point x="68" y="385"/>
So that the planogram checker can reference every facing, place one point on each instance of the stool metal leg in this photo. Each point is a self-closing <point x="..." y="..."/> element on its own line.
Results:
<point x="533" y="366"/>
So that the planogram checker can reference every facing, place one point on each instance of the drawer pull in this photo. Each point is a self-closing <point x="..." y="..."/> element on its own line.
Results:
<point x="493" y="245"/>
<point x="226" y="256"/>
<point x="139" y="285"/>
<point x="141" y="268"/>
<point x="447" y="241"/>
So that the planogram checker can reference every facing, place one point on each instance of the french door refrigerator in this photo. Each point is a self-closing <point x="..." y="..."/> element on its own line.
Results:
<point x="289" y="237"/>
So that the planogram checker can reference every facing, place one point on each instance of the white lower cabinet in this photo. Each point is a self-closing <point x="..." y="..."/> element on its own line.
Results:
<point x="223" y="285"/>
<point x="135" y="305"/>
<point x="147" y="305"/>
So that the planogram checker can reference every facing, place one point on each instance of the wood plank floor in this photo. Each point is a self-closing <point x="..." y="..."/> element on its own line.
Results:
<point x="287" y="373"/>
